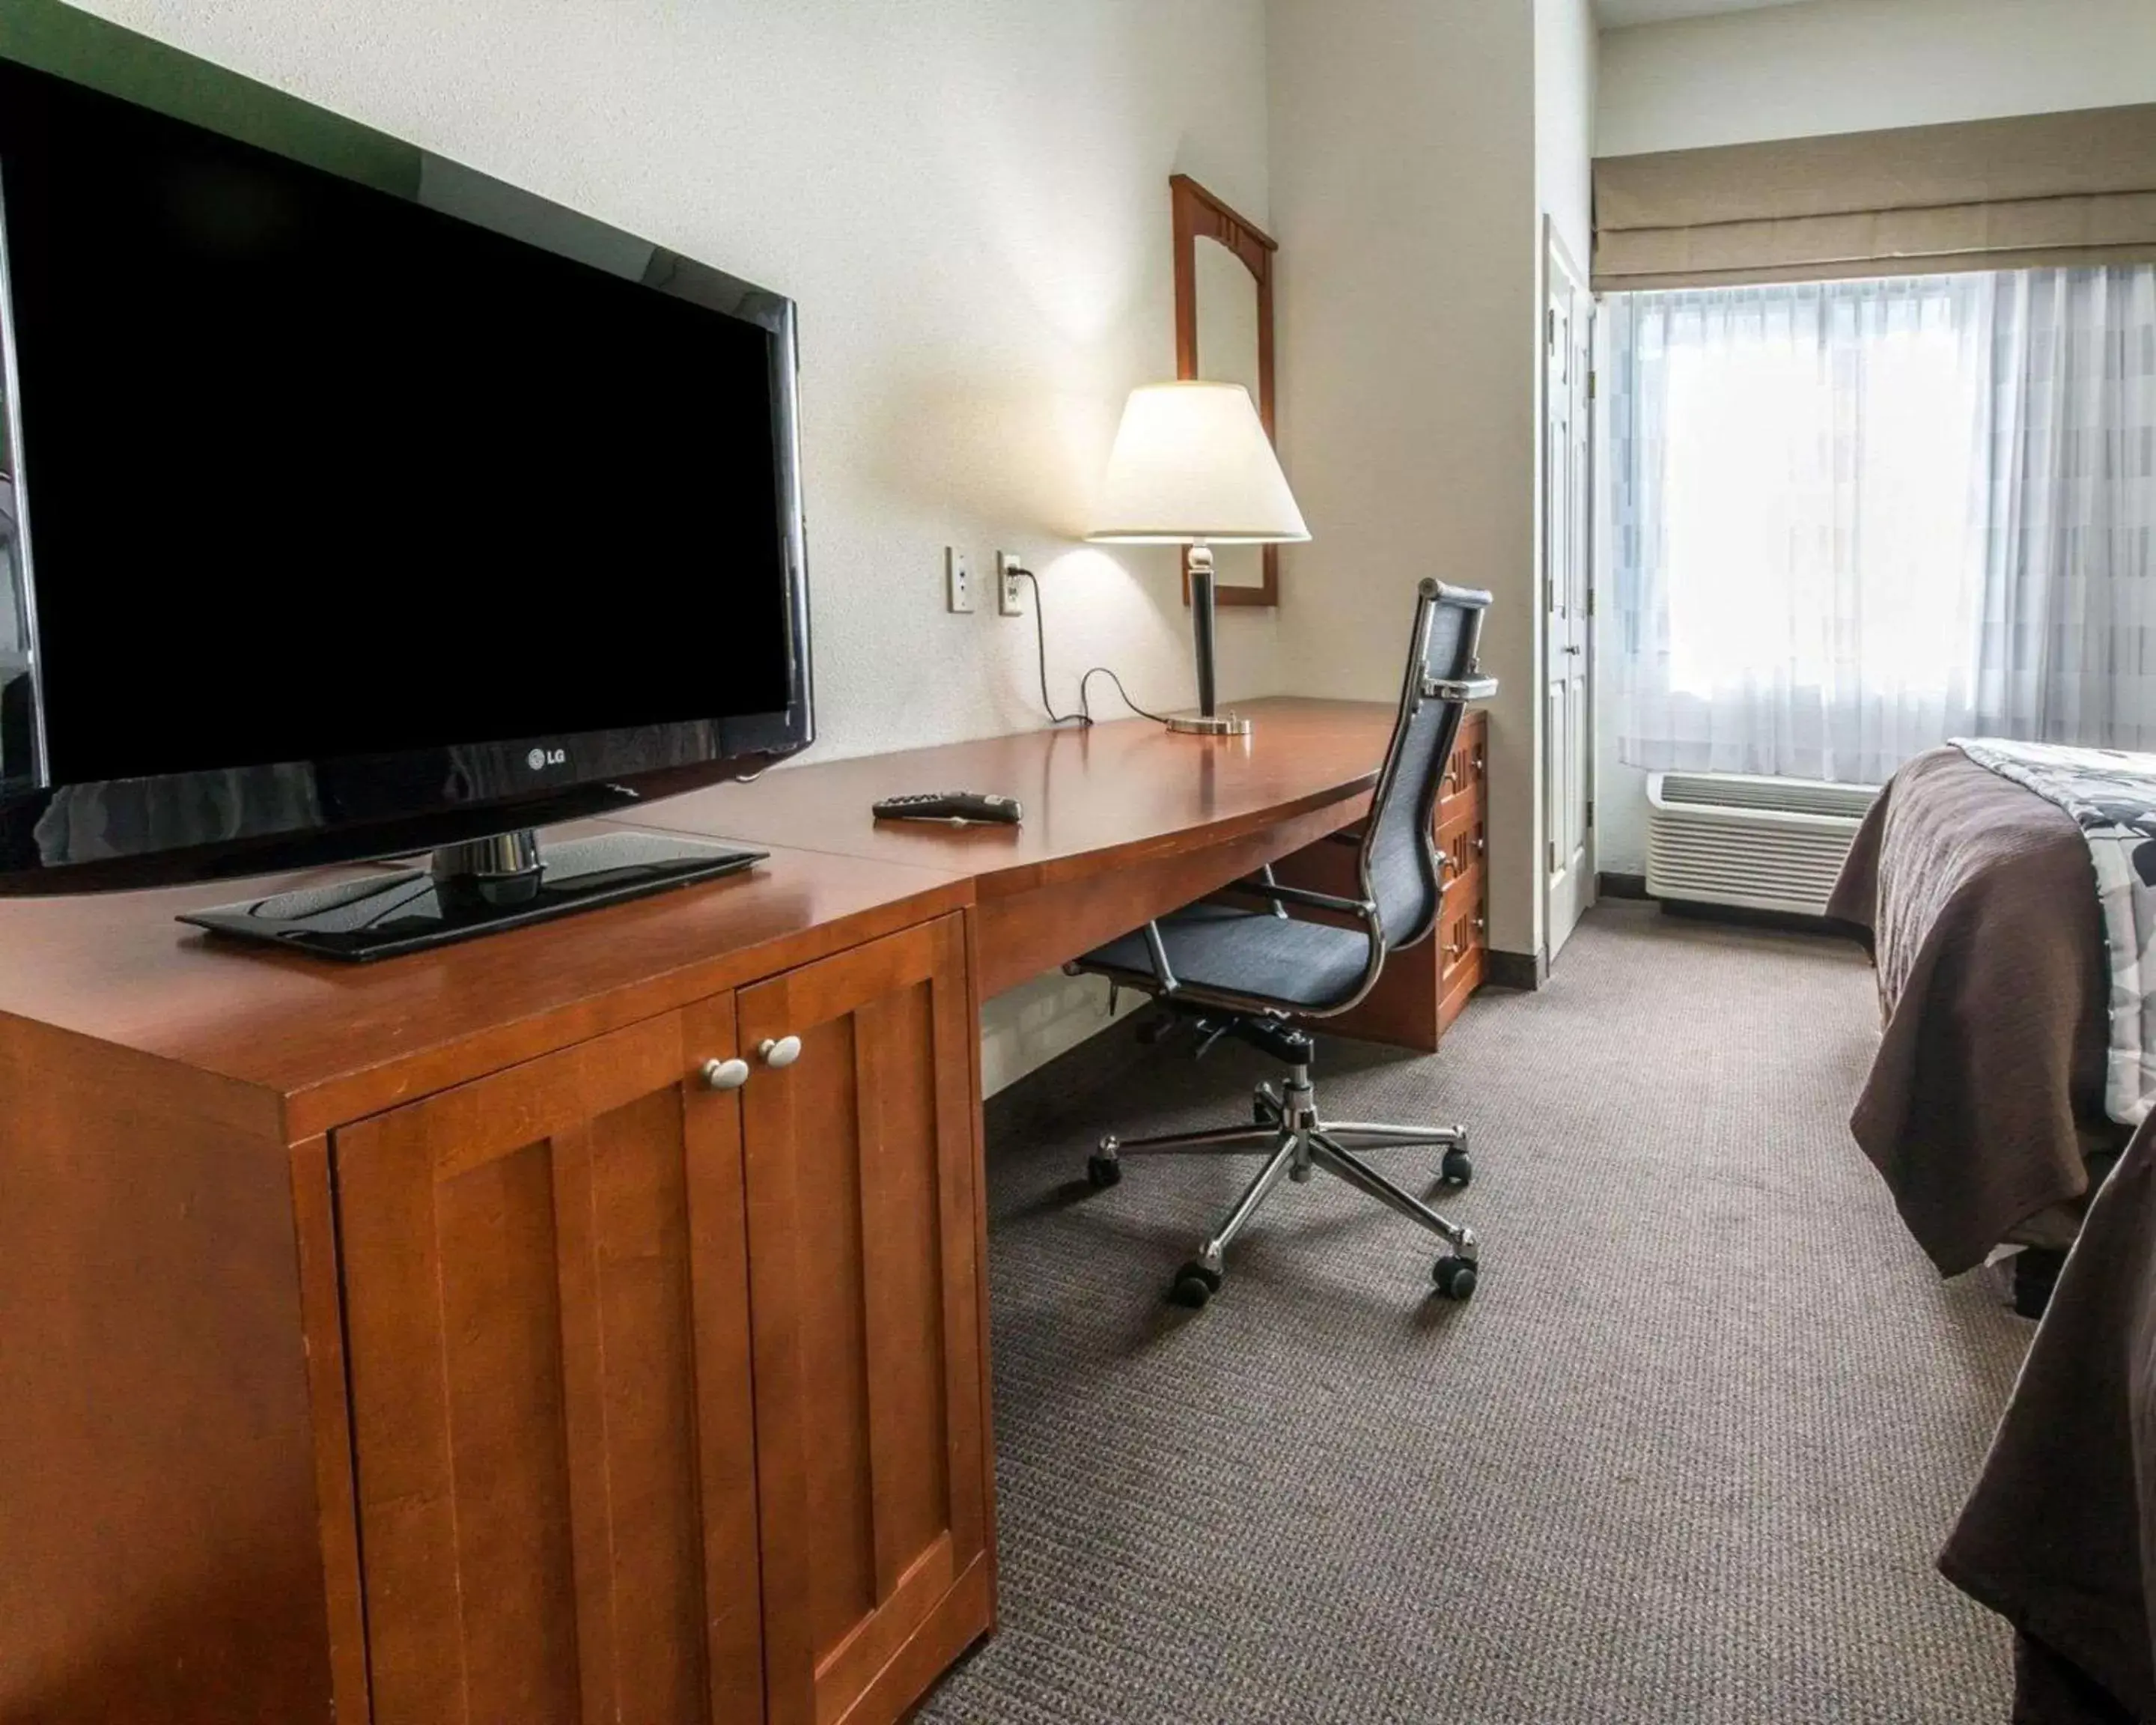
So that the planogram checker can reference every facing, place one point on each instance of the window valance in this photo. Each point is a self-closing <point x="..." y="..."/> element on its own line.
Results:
<point x="2033" y="190"/>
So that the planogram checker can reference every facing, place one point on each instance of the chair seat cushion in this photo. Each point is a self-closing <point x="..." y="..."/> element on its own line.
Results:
<point x="1217" y="947"/>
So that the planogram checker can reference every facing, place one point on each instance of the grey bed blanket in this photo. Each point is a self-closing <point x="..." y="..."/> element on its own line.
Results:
<point x="2059" y="1535"/>
<point x="2111" y="796"/>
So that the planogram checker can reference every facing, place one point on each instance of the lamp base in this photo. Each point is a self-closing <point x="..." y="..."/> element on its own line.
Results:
<point x="1209" y="725"/>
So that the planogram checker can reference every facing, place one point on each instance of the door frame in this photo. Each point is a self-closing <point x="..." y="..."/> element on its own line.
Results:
<point x="1558" y="263"/>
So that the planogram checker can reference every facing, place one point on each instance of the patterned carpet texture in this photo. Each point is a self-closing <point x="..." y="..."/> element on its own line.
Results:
<point x="1686" y="1455"/>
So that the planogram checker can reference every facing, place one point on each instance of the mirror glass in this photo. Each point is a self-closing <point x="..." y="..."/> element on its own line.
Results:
<point x="1228" y="353"/>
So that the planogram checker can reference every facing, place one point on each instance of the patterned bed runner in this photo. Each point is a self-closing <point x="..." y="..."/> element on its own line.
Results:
<point x="2112" y="796"/>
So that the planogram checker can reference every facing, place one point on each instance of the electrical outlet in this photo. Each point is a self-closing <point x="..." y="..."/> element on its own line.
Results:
<point x="1009" y="601"/>
<point x="958" y="580"/>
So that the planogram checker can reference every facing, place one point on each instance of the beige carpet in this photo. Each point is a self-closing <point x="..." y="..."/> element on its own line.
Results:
<point x="1688" y="1455"/>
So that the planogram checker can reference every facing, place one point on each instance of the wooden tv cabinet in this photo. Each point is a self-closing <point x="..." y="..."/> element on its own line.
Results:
<point x="428" y="1343"/>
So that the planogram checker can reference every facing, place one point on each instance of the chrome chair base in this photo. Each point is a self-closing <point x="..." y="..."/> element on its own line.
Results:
<point x="1287" y="1128"/>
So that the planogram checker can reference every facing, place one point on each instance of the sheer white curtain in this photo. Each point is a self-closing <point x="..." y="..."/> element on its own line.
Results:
<point x="1797" y="523"/>
<point x="1854" y="519"/>
<point x="2068" y="641"/>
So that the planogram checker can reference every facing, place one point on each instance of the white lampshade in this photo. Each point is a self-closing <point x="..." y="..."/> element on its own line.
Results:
<point x="1192" y="463"/>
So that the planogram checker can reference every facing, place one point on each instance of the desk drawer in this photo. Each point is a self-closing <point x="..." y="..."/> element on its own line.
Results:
<point x="1462" y="944"/>
<point x="1463" y="842"/>
<point x="1462" y="931"/>
<point x="1466" y="771"/>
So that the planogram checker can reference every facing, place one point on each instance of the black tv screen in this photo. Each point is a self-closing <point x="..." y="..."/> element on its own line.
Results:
<point x="370" y="470"/>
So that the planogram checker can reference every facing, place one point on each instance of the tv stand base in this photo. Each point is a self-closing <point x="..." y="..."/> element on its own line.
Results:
<point x="475" y="889"/>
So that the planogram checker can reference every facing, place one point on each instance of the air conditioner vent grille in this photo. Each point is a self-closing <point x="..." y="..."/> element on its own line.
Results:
<point x="1764" y="843"/>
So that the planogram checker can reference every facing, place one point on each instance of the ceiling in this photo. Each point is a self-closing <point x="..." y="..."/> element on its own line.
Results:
<point x="1615" y="14"/>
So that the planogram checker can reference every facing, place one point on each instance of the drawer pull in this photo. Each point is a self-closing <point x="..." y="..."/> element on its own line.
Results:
<point x="779" y="1051"/>
<point x="725" y="1075"/>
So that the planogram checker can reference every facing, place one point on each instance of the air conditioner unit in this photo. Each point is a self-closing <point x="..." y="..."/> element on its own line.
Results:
<point x="1740" y="839"/>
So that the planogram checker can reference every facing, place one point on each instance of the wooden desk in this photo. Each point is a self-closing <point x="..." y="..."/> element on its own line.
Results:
<point x="1123" y="821"/>
<point x="427" y="1340"/>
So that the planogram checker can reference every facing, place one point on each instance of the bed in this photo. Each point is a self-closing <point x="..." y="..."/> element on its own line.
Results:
<point x="2060" y="1531"/>
<point x="1984" y="1106"/>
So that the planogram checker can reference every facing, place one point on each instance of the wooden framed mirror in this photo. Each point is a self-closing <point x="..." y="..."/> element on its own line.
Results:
<point x="1223" y="333"/>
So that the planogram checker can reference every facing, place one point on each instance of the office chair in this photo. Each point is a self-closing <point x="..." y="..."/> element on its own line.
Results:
<point x="1249" y="973"/>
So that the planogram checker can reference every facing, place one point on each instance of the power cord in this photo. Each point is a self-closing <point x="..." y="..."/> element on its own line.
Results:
<point x="1084" y="715"/>
<point x="1102" y="670"/>
<point x="1040" y="642"/>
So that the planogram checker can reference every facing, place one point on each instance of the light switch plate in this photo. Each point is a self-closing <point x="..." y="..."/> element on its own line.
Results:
<point x="1009" y="601"/>
<point x="958" y="580"/>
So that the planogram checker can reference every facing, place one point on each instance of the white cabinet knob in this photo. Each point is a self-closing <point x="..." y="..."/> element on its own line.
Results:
<point x="783" y="1051"/>
<point x="725" y="1075"/>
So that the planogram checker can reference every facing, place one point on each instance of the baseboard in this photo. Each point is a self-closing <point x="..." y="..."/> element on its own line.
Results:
<point x="1524" y="971"/>
<point x="1611" y="885"/>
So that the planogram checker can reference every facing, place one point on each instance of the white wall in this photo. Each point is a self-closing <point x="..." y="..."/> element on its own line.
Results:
<point x="1404" y="200"/>
<point x="970" y="203"/>
<point x="1568" y="79"/>
<point x="1857" y="66"/>
<point x="1568" y="69"/>
<point x="1843" y="65"/>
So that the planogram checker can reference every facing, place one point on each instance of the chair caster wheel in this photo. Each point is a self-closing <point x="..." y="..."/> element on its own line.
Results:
<point x="1455" y="1277"/>
<point x="1262" y="1112"/>
<point x="1194" y="1285"/>
<point x="1103" y="1172"/>
<point x="1458" y="1168"/>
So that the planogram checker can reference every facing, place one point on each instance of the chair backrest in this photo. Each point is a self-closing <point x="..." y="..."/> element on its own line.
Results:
<point x="1399" y="860"/>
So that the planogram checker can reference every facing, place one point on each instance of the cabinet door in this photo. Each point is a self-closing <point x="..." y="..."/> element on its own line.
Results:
<point x="546" y="1300"/>
<point x="871" y="1422"/>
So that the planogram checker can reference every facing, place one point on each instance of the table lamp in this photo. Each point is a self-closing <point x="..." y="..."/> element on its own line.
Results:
<point x="1193" y="466"/>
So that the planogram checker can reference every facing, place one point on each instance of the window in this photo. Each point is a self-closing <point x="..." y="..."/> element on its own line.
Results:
<point x="1855" y="518"/>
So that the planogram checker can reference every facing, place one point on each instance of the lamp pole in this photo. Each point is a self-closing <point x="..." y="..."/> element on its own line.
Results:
<point x="1198" y="564"/>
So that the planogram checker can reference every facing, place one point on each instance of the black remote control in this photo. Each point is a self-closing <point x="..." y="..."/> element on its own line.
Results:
<point x="958" y="809"/>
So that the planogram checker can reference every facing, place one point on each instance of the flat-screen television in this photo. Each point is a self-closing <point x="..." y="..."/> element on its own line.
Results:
<point x="352" y="502"/>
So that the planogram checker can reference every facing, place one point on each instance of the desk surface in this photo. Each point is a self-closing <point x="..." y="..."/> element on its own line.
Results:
<point x="117" y="968"/>
<point x="1095" y="798"/>
<point x="1127" y="819"/>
